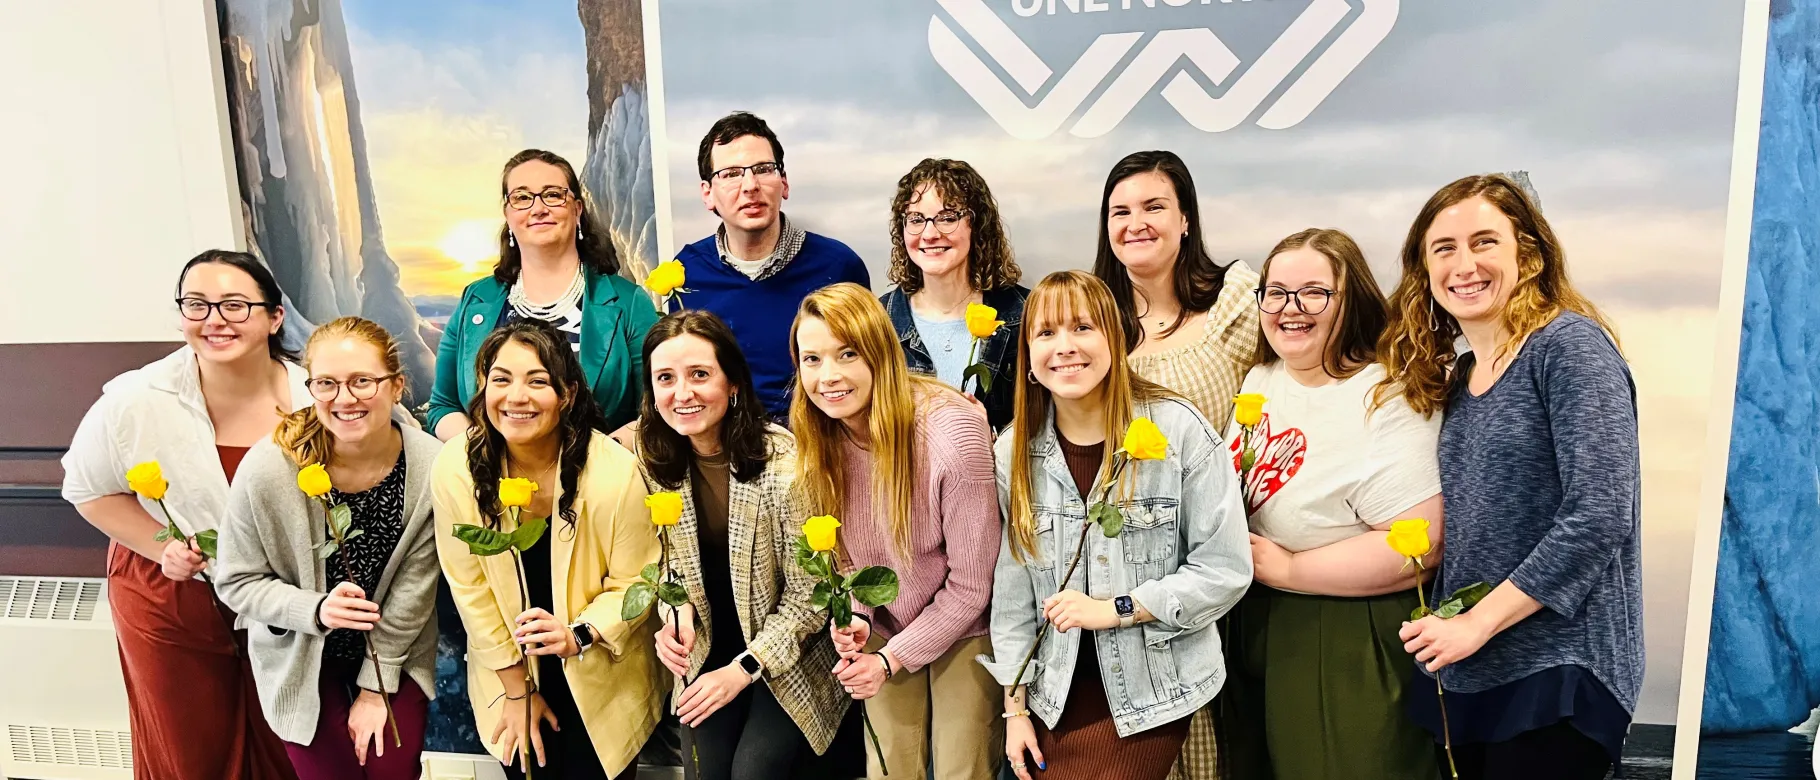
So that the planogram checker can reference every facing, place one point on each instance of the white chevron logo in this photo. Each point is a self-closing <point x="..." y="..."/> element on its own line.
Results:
<point x="1152" y="63"/>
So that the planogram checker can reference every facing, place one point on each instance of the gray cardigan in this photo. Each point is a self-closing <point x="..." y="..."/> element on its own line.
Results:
<point x="268" y="572"/>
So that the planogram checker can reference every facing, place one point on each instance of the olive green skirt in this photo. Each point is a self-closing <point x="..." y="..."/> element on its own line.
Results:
<point x="1315" y="690"/>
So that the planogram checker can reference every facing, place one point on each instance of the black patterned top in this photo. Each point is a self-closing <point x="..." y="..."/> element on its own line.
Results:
<point x="379" y="513"/>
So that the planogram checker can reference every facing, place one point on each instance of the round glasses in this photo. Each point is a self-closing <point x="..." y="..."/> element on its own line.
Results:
<point x="232" y="310"/>
<point x="553" y="197"/>
<point x="945" y="222"/>
<point x="361" y="387"/>
<point x="1308" y="300"/>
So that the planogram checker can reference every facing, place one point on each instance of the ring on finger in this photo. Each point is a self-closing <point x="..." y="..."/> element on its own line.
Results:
<point x="1018" y="765"/>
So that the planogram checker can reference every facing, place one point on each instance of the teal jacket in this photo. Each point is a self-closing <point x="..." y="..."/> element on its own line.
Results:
<point x="615" y="318"/>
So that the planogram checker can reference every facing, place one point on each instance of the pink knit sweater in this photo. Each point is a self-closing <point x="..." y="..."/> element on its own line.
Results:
<point x="945" y="591"/>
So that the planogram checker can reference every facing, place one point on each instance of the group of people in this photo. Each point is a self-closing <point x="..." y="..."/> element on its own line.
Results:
<point x="1246" y="618"/>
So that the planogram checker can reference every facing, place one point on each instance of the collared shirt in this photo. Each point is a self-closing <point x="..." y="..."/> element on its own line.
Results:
<point x="789" y="242"/>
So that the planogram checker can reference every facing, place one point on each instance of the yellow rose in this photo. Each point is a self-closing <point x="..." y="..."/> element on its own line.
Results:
<point x="1145" y="441"/>
<point x="1409" y="537"/>
<point x="314" y="481"/>
<point x="666" y="278"/>
<point x="666" y="508"/>
<point x="147" y="479"/>
<point x="516" y="491"/>
<point x="820" y="532"/>
<point x="1248" y="409"/>
<point x="982" y="321"/>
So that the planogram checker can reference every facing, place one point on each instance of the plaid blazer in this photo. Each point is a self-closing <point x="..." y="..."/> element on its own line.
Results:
<point x="787" y="636"/>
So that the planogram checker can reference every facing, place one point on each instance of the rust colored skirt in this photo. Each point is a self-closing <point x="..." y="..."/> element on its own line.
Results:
<point x="189" y="687"/>
<point x="1084" y="744"/>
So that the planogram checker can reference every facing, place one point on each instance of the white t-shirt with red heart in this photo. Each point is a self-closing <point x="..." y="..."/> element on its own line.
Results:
<point x="1327" y="466"/>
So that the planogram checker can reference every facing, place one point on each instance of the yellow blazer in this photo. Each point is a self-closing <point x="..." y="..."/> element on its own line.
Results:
<point x="619" y="686"/>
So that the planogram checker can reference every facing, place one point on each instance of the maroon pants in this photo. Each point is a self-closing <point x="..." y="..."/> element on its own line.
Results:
<point x="330" y="754"/>
<point x="189" y="688"/>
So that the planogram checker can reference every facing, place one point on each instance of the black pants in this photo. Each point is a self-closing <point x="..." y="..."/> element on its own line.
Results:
<point x="1557" y="752"/>
<point x="752" y="738"/>
<point x="568" y="753"/>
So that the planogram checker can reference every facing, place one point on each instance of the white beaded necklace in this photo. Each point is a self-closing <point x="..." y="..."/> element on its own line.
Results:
<point x="548" y="312"/>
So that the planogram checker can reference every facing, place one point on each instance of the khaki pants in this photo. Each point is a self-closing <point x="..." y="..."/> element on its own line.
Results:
<point x="951" y="706"/>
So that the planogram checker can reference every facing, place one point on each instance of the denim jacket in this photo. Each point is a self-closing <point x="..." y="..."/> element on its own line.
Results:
<point x="1184" y="555"/>
<point x="999" y="352"/>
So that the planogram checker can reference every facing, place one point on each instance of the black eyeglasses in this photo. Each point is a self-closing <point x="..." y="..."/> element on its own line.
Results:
<point x="552" y="197"/>
<point x="945" y="222"/>
<point x="1308" y="300"/>
<point x="733" y="173"/>
<point x="362" y="387"/>
<point x="232" y="310"/>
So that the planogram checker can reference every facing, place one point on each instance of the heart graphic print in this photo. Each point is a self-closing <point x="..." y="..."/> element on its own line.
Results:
<point x="1279" y="457"/>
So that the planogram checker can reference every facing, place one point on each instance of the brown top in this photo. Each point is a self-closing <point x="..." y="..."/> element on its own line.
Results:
<point x="1083" y="462"/>
<point x="230" y="459"/>
<point x="709" y="478"/>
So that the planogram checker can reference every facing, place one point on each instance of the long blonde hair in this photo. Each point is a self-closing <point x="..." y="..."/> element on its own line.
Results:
<point x="858" y="320"/>
<point x="1059" y="299"/>
<point x="1417" y="350"/>
<point x="301" y="434"/>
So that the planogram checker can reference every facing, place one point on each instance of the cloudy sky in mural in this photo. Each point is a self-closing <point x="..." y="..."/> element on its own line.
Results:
<point x="448" y="91"/>
<point x="1625" y="127"/>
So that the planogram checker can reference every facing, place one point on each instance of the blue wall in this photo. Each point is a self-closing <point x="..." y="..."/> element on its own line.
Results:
<point x="1763" y="668"/>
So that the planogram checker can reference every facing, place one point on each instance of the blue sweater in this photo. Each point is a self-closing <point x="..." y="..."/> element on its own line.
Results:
<point x="760" y="312"/>
<point x="1541" y="480"/>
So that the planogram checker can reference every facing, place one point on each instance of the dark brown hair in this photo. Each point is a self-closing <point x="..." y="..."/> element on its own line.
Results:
<point x="594" y="246"/>
<point x="731" y="128"/>
<point x="268" y="289"/>
<point x="1418" y="348"/>
<point x="990" y="265"/>
<point x="576" y="425"/>
<point x="666" y="453"/>
<point x="1198" y="279"/>
<point x="1352" y="342"/>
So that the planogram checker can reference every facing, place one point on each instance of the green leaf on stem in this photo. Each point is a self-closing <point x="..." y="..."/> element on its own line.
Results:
<point x="673" y="593"/>
<point x="1247" y="460"/>
<point x="527" y="534"/>
<point x="353" y="533"/>
<point x="327" y="549"/>
<point x="1449" y="608"/>
<point x="342" y="518"/>
<point x="803" y="551"/>
<point x="1420" y="612"/>
<point x="208" y="541"/>
<point x="651" y="573"/>
<point x="819" y="598"/>
<point x="874" y="586"/>
<point x="638" y="598"/>
<point x="482" y="541"/>
<point x="818" y="565"/>
<point x="1471" y="595"/>
<point x="980" y="373"/>
<point x="840" y="609"/>
<point x="164" y="534"/>
<point x="1108" y="517"/>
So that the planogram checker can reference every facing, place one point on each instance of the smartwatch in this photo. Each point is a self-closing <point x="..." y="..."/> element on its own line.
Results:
<point x="584" y="636"/>
<point x="748" y="663"/>
<point x="1126" y="609"/>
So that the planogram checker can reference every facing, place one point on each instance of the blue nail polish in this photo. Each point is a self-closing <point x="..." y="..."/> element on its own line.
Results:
<point x="1041" y="765"/>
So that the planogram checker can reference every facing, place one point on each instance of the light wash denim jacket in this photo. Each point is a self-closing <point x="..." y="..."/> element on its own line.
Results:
<point x="1184" y="555"/>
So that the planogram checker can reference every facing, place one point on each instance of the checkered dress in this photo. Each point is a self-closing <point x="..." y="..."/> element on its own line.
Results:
<point x="1209" y="373"/>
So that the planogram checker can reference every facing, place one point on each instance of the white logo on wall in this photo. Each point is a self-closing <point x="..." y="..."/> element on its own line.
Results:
<point x="1155" y="60"/>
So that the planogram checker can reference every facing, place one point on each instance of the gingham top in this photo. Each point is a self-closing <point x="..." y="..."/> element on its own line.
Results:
<point x="1208" y="372"/>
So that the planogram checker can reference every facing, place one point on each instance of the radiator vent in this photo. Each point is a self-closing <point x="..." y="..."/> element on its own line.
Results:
<point x="49" y="598"/>
<point x="60" y="746"/>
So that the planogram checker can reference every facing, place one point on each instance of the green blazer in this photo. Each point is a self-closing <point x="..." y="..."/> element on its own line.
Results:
<point x="615" y="317"/>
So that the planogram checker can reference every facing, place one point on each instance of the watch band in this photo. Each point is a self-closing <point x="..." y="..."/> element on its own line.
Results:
<point x="584" y="636"/>
<point x="749" y="664"/>
<point x="1126" y="609"/>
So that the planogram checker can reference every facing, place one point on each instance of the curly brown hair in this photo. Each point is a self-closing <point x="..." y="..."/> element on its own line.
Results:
<point x="1417" y="350"/>
<point x="990" y="265"/>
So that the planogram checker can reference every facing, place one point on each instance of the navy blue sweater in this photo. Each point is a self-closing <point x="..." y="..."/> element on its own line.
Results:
<point x="760" y="312"/>
<point x="1541" y="480"/>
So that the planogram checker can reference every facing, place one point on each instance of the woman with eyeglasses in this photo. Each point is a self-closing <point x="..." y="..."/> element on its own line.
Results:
<point x="948" y="251"/>
<point x="1191" y="325"/>
<point x="556" y="265"/>
<point x="340" y="632"/>
<point x="190" y="692"/>
<point x="1317" y="673"/>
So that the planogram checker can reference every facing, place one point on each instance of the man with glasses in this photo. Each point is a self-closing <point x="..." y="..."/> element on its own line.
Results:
<point x="757" y="268"/>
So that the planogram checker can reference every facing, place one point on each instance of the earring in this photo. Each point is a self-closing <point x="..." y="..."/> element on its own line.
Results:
<point x="733" y="400"/>
<point x="578" y="234"/>
<point x="511" y="240"/>
<point x="1434" y="323"/>
<point x="1032" y="373"/>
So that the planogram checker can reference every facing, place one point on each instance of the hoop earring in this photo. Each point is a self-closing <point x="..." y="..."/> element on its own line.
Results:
<point x="1032" y="374"/>
<point x="734" y="400"/>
